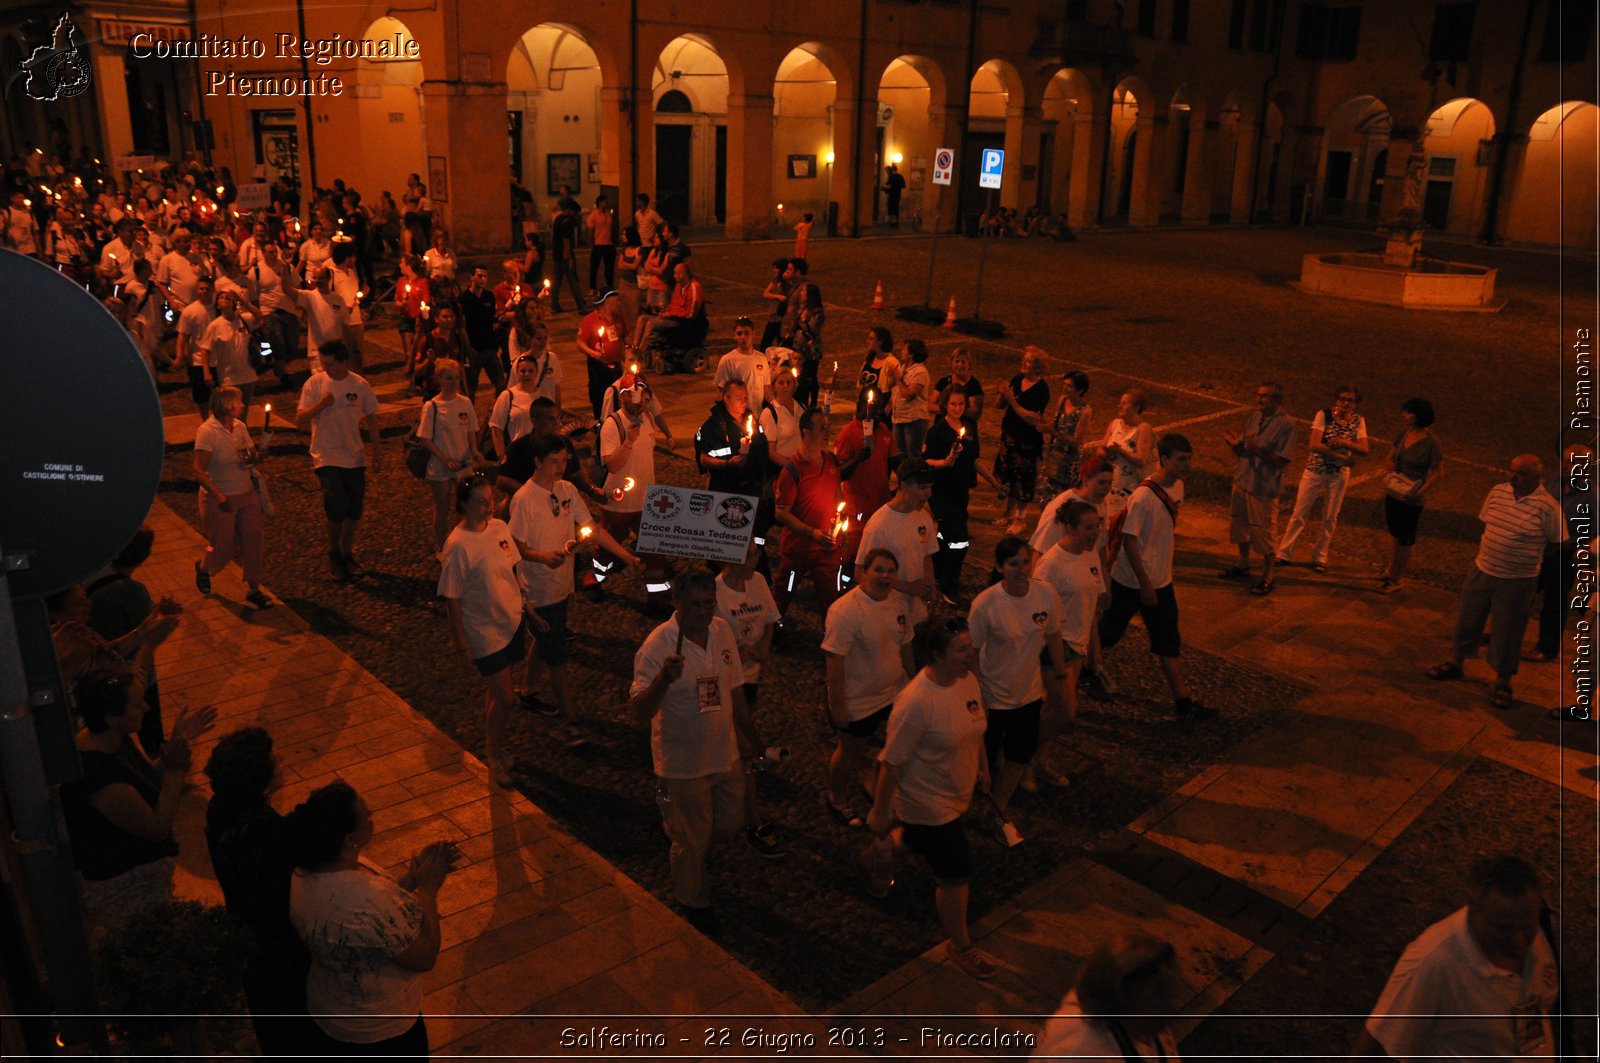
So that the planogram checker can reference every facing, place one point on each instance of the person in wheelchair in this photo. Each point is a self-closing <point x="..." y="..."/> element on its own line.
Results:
<point x="682" y="323"/>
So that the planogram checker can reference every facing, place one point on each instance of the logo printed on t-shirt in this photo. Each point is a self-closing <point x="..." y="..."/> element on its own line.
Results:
<point x="1041" y="618"/>
<point x="351" y="398"/>
<point x="727" y="656"/>
<point x="973" y="708"/>
<point x="901" y="620"/>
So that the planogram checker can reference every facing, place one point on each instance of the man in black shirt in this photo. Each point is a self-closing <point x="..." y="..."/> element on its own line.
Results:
<point x="477" y="315"/>
<point x="564" y="258"/>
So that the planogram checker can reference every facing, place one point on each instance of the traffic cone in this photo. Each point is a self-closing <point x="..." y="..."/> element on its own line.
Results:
<point x="877" y="297"/>
<point x="950" y="314"/>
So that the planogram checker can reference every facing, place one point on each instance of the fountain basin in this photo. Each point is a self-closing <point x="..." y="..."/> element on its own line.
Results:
<point x="1432" y="284"/>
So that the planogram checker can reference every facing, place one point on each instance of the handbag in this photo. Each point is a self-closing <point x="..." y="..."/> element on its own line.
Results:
<point x="417" y="453"/>
<point x="1399" y="487"/>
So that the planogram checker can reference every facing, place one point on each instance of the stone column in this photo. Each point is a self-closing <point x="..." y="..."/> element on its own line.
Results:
<point x="1196" y="206"/>
<point x="845" y="185"/>
<point x="111" y="85"/>
<point x="1245" y="165"/>
<point x="1091" y="129"/>
<point x="462" y="117"/>
<point x="750" y="203"/>
<point x="945" y="125"/>
<point x="1144" y="200"/>
<point x="1024" y="125"/>
<point x="616" y="118"/>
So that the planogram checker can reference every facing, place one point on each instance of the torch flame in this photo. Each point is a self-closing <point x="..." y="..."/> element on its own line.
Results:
<point x="749" y="425"/>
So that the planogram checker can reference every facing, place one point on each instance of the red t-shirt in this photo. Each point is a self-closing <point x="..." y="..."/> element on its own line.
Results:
<point x="600" y="335"/>
<point x="868" y="486"/>
<point x="814" y="500"/>
<point x="504" y="292"/>
<point x="410" y="294"/>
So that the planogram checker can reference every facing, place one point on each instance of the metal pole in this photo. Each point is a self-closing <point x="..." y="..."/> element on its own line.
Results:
<point x="933" y="253"/>
<point x="309" y="193"/>
<point x="46" y="861"/>
<point x="983" y="253"/>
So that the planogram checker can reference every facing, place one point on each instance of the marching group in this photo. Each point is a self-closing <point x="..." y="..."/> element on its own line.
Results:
<point x="933" y="701"/>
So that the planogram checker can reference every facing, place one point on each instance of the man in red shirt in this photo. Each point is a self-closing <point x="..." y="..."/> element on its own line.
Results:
<point x="865" y="459"/>
<point x="807" y="498"/>
<point x="600" y="340"/>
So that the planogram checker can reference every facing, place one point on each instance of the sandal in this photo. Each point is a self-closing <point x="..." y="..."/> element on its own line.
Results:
<point x="1319" y="566"/>
<point x="1264" y="587"/>
<point x="845" y="814"/>
<point x="1447" y="670"/>
<point x="1502" y="699"/>
<point x="1389" y="586"/>
<point x="1235" y="572"/>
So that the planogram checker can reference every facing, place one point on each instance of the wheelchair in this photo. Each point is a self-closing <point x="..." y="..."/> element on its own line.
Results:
<point x="680" y="346"/>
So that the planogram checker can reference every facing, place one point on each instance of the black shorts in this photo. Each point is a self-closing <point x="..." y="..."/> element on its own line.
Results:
<point x="344" y="492"/>
<point x="1014" y="731"/>
<point x="515" y="652"/>
<point x="1160" y="620"/>
<point x="867" y="726"/>
<point x="199" y="390"/>
<point x="1401" y="519"/>
<point x="944" y="848"/>
<point x="551" y="646"/>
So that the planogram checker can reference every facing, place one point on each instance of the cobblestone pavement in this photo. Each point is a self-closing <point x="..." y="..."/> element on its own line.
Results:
<point x="1196" y="318"/>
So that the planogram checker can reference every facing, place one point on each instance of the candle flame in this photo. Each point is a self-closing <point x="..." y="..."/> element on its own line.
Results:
<point x="840" y="509"/>
<point x="547" y="284"/>
<point x="585" y="531"/>
<point x="794" y="371"/>
<point x="633" y="367"/>
<point x="963" y="433"/>
<point x="870" y="396"/>
<point x="749" y="424"/>
<point x="269" y="407"/>
<point x="627" y="484"/>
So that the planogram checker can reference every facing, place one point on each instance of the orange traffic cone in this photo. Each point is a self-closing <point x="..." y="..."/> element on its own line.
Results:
<point x="877" y="297"/>
<point x="950" y="314"/>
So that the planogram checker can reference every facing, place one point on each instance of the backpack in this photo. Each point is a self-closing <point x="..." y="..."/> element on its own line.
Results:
<point x="1114" y="532"/>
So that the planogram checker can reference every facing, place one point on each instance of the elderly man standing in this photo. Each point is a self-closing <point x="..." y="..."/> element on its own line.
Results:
<point x="1479" y="984"/>
<point x="688" y="685"/>
<point x="1519" y="519"/>
<point x="1262" y="453"/>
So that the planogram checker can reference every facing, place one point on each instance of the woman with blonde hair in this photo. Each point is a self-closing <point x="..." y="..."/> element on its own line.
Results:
<point x="230" y="506"/>
<point x="449" y="429"/>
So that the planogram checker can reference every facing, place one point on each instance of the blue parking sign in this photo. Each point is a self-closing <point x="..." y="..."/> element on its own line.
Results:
<point x="994" y="160"/>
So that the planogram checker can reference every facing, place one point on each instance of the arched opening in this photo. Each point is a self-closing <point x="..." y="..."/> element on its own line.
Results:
<point x="994" y="121"/>
<point x="1128" y="102"/>
<point x="803" y="94"/>
<point x="1457" y="159"/>
<point x="903" y="134"/>
<point x="1186" y="117"/>
<point x="394" y="133"/>
<point x="1067" y="108"/>
<point x="1555" y="199"/>
<point x="1231" y="157"/>
<point x="691" y="156"/>
<point x="553" y="82"/>
<point x="1355" y="152"/>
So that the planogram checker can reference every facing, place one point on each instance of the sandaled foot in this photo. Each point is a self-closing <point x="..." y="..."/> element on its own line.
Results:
<point x="1447" y="670"/>
<point x="1319" y="566"/>
<point x="1502" y="697"/>
<point x="1264" y="587"/>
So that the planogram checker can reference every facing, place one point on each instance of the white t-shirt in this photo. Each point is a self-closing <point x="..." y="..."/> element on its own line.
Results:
<point x="1125" y="474"/>
<point x="178" y="274"/>
<point x="751" y="368"/>
<point x="192" y="324"/>
<point x="315" y="254"/>
<point x="512" y="414"/>
<point x="748" y="612"/>
<point x="1078" y="582"/>
<point x="1068" y="1035"/>
<point x="868" y="635"/>
<point x="782" y="428"/>
<point x="452" y="424"/>
<point x="641" y="464"/>
<point x="347" y="285"/>
<point x="693" y="735"/>
<point x="1009" y="635"/>
<point x="547" y="520"/>
<point x="1048" y="532"/>
<point x="226" y="465"/>
<point x="910" y="537"/>
<point x="336" y="431"/>
<point x="227" y="347"/>
<point x="1150" y="523"/>
<point x="547" y="375"/>
<point x="270" y="294"/>
<point x="1469" y="1008"/>
<point x="480" y="572"/>
<point x="324" y="322"/>
<point x="903" y="410"/>
<point x="353" y="924"/>
<point x="935" y="739"/>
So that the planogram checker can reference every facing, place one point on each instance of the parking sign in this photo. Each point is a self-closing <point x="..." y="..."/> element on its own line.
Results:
<point x="943" y="162"/>
<point x="993" y="162"/>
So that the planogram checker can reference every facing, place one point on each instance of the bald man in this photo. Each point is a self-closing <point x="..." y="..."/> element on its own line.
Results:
<point x="1520" y="518"/>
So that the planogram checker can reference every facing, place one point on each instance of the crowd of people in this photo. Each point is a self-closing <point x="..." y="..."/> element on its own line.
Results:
<point x="936" y="703"/>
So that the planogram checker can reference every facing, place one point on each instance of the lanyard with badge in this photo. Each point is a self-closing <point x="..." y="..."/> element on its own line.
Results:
<point x="708" y="688"/>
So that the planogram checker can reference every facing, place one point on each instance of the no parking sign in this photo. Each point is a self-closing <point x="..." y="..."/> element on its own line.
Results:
<point x="943" y="162"/>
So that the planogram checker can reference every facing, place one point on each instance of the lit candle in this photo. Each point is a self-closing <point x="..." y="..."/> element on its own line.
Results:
<point x="866" y="426"/>
<point x="547" y="285"/>
<point x="633" y="367"/>
<point x="408" y="287"/>
<point x="962" y="433"/>
<point x="749" y="426"/>
<point x="266" y="417"/>
<point x="622" y="489"/>
<point x="424" y="308"/>
<point x="627" y="484"/>
<point x="219" y="190"/>
<point x="583" y="533"/>
<point x="794" y="371"/>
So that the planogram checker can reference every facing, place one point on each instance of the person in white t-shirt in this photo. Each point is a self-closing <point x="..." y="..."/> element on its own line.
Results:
<point x="688" y="685"/>
<point x="178" y="271"/>
<point x="549" y="520"/>
<point x="191" y="326"/>
<point x="780" y="417"/>
<point x="345" y="283"/>
<point x="745" y="363"/>
<point x="230" y="507"/>
<point x="448" y="427"/>
<point x="867" y="644"/>
<point x="225" y="348"/>
<point x="1094" y="487"/>
<point x="371" y="937"/>
<point x="482" y="591"/>
<point x="627" y="449"/>
<point x="909" y="398"/>
<point x="745" y="601"/>
<point x="906" y="528"/>
<point x="931" y="765"/>
<point x="1122" y="1005"/>
<point x="1482" y="983"/>
<point x="1141" y="577"/>
<point x="335" y="405"/>
<point x="1073" y="569"/>
<point x="325" y="314"/>
<point x="1015" y="625"/>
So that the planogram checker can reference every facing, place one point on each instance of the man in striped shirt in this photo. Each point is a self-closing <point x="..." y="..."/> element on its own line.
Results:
<point x="1519" y="519"/>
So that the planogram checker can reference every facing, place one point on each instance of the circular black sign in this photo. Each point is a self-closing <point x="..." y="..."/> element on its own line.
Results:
<point x="81" y="438"/>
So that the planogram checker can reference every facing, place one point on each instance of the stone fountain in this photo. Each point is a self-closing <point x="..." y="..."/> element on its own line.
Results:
<point x="1401" y="275"/>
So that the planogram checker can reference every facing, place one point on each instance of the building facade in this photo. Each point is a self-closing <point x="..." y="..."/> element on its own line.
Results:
<point x="745" y="116"/>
